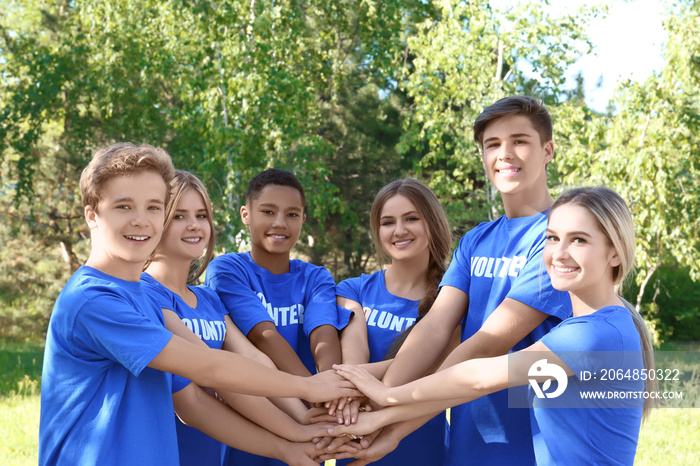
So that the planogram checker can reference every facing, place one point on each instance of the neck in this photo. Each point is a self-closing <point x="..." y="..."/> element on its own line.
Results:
<point x="407" y="279"/>
<point x="525" y="204"/>
<point x="130" y="272"/>
<point x="276" y="264"/>
<point x="171" y="273"/>
<point x="588" y="303"/>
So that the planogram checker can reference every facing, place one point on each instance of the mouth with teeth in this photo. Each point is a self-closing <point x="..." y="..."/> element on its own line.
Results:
<point x="564" y="270"/>
<point x="136" y="238"/>
<point x="275" y="237"/>
<point x="192" y="240"/>
<point x="508" y="171"/>
<point x="402" y="243"/>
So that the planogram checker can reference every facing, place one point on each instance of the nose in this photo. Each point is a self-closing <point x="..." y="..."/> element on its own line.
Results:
<point x="194" y="224"/>
<point x="561" y="251"/>
<point x="278" y="221"/>
<point x="140" y="218"/>
<point x="400" y="229"/>
<point x="505" y="151"/>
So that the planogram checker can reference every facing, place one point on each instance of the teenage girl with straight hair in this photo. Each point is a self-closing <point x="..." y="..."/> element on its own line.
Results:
<point x="412" y="241"/>
<point x="589" y="252"/>
<point x="197" y="314"/>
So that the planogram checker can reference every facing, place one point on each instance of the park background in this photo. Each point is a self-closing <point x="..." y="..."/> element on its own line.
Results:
<point x="349" y="95"/>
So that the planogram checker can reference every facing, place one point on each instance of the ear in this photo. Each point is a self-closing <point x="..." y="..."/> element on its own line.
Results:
<point x="548" y="151"/>
<point x="303" y="218"/>
<point x="245" y="215"/>
<point x="90" y="217"/>
<point x="613" y="258"/>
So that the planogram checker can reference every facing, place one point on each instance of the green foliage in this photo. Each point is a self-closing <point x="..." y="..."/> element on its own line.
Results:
<point x="347" y="95"/>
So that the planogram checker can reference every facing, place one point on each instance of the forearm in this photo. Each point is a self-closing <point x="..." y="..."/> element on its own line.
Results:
<point x="265" y="414"/>
<point x="270" y="342"/>
<point x="220" y="422"/>
<point x="353" y="338"/>
<point x="417" y="355"/>
<point x="325" y="346"/>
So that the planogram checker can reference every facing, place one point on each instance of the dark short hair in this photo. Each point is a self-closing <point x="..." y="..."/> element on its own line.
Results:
<point x="273" y="176"/>
<point x="531" y="108"/>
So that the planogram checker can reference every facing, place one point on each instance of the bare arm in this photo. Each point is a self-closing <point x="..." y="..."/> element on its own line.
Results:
<point x="429" y="337"/>
<point x="199" y="410"/>
<point x="325" y="346"/>
<point x="509" y="323"/>
<point x="225" y="370"/>
<point x="353" y="338"/>
<point x="268" y="340"/>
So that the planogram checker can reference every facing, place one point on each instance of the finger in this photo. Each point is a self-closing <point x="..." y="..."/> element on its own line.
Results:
<point x="332" y="406"/>
<point x="323" y="443"/>
<point x="323" y="418"/>
<point x="369" y="438"/>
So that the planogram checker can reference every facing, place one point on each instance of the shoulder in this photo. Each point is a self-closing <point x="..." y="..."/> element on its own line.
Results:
<point x="603" y="330"/>
<point x="307" y="269"/>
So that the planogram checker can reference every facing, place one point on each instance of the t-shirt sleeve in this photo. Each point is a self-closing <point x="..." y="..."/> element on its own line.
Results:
<point x="534" y="288"/>
<point x="231" y="281"/>
<point x="111" y="327"/>
<point x="350" y="289"/>
<point x="321" y="308"/>
<point x="586" y="344"/>
<point x="458" y="274"/>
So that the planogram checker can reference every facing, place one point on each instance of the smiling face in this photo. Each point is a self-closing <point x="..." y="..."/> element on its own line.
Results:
<point x="402" y="231"/>
<point x="127" y="224"/>
<point x="578" y="256"/>
<point x="274" y="218"/>
<point x="189" y="231"/>
<point x="514" y="157"/>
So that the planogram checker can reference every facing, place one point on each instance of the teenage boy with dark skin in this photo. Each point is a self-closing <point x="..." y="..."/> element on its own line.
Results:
<point x="106" y="394"/>
<point x="285" y="306"/>
<point x="495" y="288"/>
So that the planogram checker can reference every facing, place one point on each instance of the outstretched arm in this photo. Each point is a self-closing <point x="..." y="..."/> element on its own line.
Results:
<point x="224" y="370"/>
<point x="429" y="338"/>
<point x="197" y="409"/>
<point x="268" y="340"/>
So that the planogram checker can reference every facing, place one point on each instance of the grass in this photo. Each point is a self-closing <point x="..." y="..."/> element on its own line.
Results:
<point x="20" y="381"/>
<point x="670" y="436"/>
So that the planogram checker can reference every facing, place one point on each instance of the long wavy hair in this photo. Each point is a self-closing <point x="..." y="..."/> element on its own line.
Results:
<point x="438" y="232"/>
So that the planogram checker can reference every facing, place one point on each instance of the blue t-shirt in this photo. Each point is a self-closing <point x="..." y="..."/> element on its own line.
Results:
<point x="100" y="403"/>
<point x="494" y="261"/>
<point x="296" y="302"/>
<point x="388" y="316"/>
<point x="207" y="321"/>
<point x="575" y="431"/>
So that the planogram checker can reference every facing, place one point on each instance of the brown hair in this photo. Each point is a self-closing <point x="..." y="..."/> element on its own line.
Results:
<point x="531" y="108"/>
<point x="122" y="159"/>
<point x="615" y="221"/>
<point x="438" y="233"/>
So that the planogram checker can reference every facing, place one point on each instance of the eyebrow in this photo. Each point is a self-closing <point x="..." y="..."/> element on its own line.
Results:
<point x="514" y="135"/>
<point x="270" y="204"/>
<point x="570" y="233"/>
<point x="412" y="212"/>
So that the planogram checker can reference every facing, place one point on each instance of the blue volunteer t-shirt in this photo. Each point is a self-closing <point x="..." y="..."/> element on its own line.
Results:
<point x="387" y="317"/>
<point x="494" y="261"/>
<point x="296" y="302"/>
<point x="575" y="431"/>
<point x="100" y="403"/>
<point x="207" y="321"/>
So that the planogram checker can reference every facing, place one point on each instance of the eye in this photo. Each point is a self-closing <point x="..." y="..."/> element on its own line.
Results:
<point x="178" y="217"/>
<point x="491" y="145"/>
<point x="122" y="207"/>
<point x="519" y="142"/>
<point x="293" y="215"/>
<point x="387" y="223"/>
<point x="412" y="219"/>
<point x="154" y="207"/>
<point x="578" y="240"/>
<point x="267" y="212"/>
<point x="202" y="216"/>
<point x="552" y="238"/>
